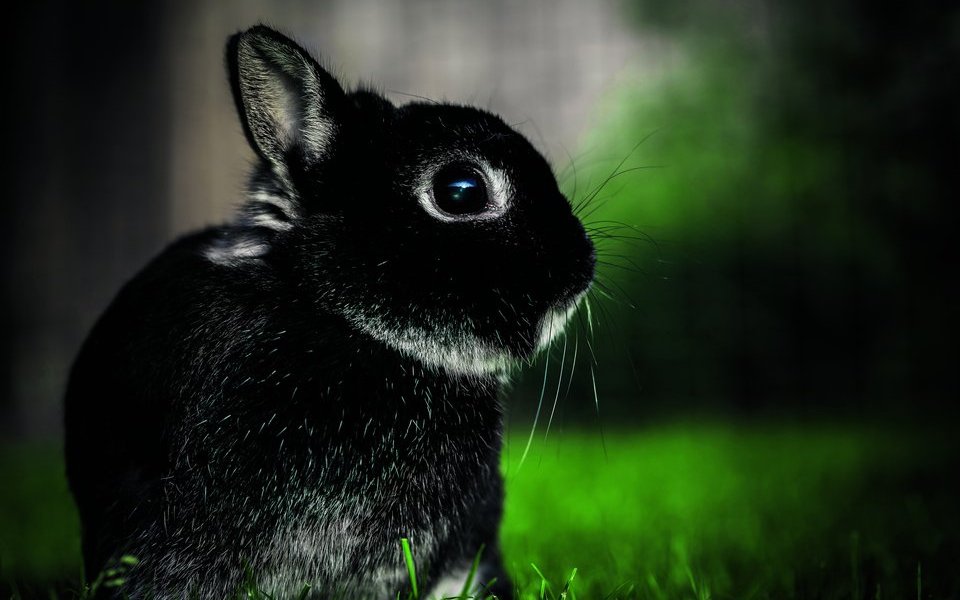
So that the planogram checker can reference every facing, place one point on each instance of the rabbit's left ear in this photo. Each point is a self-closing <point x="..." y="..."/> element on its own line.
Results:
<point x="288" y="104"/>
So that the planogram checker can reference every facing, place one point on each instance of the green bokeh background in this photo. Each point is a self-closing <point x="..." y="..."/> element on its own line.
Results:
<point x="787" y="186"/>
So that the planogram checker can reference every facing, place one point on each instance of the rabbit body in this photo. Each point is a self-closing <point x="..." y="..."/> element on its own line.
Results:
<point x="283" y="398"/>
<point x="271" y="437"/>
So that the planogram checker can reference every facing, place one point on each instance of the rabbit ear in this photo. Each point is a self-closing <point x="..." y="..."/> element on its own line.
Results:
<point x="288" y="104"/>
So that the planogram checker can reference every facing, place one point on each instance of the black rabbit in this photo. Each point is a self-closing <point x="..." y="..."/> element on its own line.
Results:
<point x="290" y="394"/>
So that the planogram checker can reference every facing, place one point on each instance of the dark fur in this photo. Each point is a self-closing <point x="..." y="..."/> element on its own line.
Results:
<point x="229" y="410"/>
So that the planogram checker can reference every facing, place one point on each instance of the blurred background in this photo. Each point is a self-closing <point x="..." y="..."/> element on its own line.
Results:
<point x="771" y="184"/>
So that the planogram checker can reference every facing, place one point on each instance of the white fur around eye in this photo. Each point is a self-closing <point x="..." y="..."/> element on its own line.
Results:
<point x="499" y="188"/>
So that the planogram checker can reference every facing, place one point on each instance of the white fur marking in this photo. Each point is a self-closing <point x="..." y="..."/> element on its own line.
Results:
<point x="227" y="254"/>
<point x="279" y="201"/>
<point x="458" y="352"/>
<point x="450" y="585"/>
<point x="554" y="321"/>
<point x="269" y="221"/>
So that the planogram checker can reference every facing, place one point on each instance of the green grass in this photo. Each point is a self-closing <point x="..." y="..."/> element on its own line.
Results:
<point x="737" y="512"/>
<point x="713" y="510"/>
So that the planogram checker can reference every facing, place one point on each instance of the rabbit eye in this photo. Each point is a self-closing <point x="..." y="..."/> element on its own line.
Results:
<point x="460" y="190"/>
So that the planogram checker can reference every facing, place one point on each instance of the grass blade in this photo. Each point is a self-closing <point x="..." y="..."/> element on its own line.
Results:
<point x="468" y="584"/>
<point x="411" y="567"/>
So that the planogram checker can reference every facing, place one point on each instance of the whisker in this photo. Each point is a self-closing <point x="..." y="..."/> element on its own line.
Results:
<point x="596" y="403"/>
<point x="602" y="289"/>
<point x="610" y="294"/>
<point x="586" y="302"/>
<point x="602" y="200"/>
<point x="536" y="417"/>
<point x="567" y="171"/>
<point x="593" y="375"/>
<point x="628" y="299"/>
<point x="609" y="236"/>
<point x="608" y="254"/>
<point x="573" y="363"/>
<point x="620" y="224"/>
<point x="631" y="268"/>
<point x="556" y="396"/>
<point x="590" y="198"/>
<point x="621" y="163"/>
<point x="430" y="100"/>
